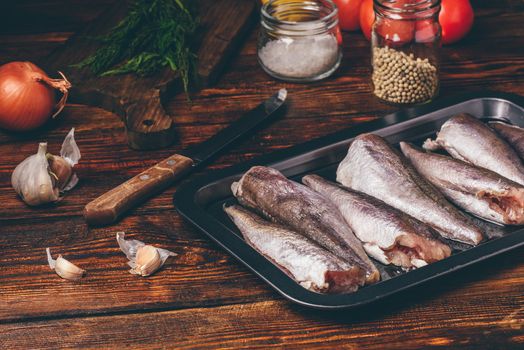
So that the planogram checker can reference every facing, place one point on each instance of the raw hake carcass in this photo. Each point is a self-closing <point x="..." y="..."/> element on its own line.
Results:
<point x="303" y="210"/>
<point x="479" y="191"/>
<point x="513" y="134"/>
<point x="310" y="265"/>
<point x="372" y="166"/>
<point x="468" y="139"/>
<point x="388" y="235"/>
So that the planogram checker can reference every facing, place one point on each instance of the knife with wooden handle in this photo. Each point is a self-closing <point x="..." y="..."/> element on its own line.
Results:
<point x="110" y="206"/>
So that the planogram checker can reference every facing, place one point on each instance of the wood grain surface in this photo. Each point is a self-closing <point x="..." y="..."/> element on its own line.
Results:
<point x="141" y="101"/>
<point x="203" y="298"/>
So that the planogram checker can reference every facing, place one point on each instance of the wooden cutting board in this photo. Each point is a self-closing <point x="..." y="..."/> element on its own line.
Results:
<point x="139" y="100"/>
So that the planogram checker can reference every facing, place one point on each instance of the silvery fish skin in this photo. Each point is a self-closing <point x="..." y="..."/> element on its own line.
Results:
<point x="303" y="210"/>
<point x="468" y="139"/>
<point x="310" y="265"/>
<point x="372" y="166"/>
<point x="482" y="192"/>
<point x="513" y="134"/>
<point x="388" y="235"/>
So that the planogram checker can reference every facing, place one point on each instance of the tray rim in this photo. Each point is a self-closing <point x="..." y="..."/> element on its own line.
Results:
<point x="185" y="204"/>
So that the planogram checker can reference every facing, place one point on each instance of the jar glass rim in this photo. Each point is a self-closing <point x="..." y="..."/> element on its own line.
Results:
<point x="410" y="8"/>
<point x="331" y="15"/>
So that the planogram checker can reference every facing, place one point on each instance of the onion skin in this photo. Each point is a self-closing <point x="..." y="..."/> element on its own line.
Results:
<point x="27" y="96"/>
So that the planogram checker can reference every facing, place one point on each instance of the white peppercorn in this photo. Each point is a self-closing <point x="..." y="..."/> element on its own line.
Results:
<point x="401" y="78"/>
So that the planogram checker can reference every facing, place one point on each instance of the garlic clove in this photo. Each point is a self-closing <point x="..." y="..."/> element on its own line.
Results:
<point x="147" y="261"/>
<point x="144" y="260"/>
<point x="129" y="247"/>
<point x="64" y="268"/>
<point x="60" y="170"/>
<point x="68" y="270"/>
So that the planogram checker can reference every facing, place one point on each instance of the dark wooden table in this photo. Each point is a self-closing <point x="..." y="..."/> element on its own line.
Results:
<point x="204" y="298"/>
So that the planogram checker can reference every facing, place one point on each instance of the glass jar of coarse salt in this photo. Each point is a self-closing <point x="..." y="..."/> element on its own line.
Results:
<point x="299" y="40"/>
<point x="405" y="42"/>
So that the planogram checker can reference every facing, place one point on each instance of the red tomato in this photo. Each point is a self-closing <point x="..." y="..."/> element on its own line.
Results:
<point x="426" y="30"/>
<point x="456" y="18"/>
<point x="338" y="34"/>
<point x="395" y="31"/>
<point x="348" y="12"/>
<point x="367" y="17"/>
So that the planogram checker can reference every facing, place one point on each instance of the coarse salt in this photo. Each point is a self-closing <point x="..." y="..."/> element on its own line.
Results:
<point x="303" y="57"/>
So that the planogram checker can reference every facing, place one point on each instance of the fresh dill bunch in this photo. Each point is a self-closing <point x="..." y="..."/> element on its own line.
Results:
<point x="153" y="35"/>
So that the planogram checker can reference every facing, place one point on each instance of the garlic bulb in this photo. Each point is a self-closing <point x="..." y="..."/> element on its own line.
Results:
<point x="40" y="178"/>
<point x="64" y="268"/>
<point x="31" y="179"/>
<point x="144" y="259"/>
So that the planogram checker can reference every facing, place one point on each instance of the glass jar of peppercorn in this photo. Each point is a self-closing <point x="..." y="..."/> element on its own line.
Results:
<point x="405" y="43"/>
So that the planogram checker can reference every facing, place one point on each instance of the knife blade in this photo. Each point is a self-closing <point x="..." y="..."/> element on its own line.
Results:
<point x="110" y="206"/>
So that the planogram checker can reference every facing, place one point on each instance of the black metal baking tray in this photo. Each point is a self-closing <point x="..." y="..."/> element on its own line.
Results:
<point x="201" y="200"/>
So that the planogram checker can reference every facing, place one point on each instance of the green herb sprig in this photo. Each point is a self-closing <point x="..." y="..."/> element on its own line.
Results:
<point x="153" y="35"/>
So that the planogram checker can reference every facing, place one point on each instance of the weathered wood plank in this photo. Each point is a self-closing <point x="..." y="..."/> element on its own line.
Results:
<point x="201" y="273"/>
<point x="480" y="319"/>
<point x="180" y="307"/>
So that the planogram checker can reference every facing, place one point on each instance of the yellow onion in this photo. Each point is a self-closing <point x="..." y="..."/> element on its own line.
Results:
<point x="27" y="96"/>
